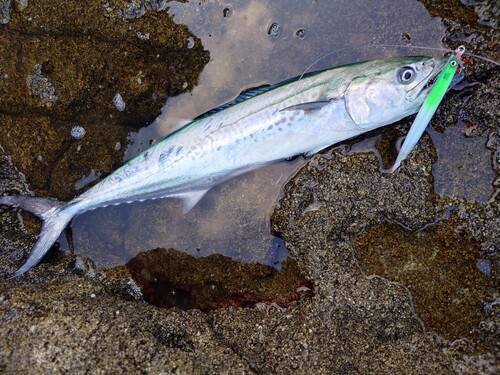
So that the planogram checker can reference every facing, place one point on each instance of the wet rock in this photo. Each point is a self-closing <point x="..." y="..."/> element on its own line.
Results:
<point x="349" y="193"/>
<point x="341" y="216"/>
<point x="14" y="234"/>
<point x="174" y="340"/>
<point x="72" y="67"/>
<point x="21" y="4"/>
<point x="463" y="162"/>
<point x="136" y="8"/>
<point x="70" y="173"/>
<point x="5" y="9"/>
<point x="487" y="11"/>
<point x="439" y="265"/>
<point x="333" y="334"/>
<point x="41" y="87"/>
<point x="66" y="328"/>
<point x="453" y="10"/>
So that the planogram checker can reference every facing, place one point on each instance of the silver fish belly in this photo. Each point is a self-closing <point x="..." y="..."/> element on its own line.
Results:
<point x="300" y="116"/>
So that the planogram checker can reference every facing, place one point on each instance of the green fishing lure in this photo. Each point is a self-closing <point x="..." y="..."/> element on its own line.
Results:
<point x="429" y="107"/>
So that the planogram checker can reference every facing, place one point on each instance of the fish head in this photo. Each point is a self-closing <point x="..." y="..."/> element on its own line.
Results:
<point x="385" y="91"/>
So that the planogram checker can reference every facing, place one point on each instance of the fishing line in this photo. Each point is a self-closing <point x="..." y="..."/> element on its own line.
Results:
<point x="483" y="58"/>
<point x="395" y="46"/>
<point x="368" y="45"/>
<point x="440" y="49"/>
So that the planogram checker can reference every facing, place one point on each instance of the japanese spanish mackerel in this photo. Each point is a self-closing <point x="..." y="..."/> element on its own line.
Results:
<point x="298" y="116"/>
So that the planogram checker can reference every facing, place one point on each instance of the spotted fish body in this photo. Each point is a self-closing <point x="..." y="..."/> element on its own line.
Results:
<point x="300" y="116"/>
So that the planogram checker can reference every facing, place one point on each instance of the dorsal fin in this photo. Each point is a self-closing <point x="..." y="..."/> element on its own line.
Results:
<point x="252" y="92"/>
<point x="245" y="95"/>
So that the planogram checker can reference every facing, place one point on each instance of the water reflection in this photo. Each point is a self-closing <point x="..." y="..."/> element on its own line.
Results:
<point x="232" y="219"/>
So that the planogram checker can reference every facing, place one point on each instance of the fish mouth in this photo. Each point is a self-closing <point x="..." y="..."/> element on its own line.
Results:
<point x="426" y="84"/>
<point x="430" y="82"/>
<point x="432" y="78"/>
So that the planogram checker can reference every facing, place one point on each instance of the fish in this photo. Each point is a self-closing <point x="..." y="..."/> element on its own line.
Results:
<point x="298" y="116"/>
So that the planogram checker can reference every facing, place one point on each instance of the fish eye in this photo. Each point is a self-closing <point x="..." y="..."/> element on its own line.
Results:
<point x="453" y="63"/>
<point x="406" y="74"/>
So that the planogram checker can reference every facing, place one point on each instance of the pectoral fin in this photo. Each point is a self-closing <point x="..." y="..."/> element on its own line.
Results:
<point x="307" y="107"/>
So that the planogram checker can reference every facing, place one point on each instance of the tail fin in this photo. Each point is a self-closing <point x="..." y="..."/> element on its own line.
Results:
<point x="55" y="215"/>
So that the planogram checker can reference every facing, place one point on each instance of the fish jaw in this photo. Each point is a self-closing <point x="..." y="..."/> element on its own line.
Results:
<point x="380" y="98"/>
<point x="422" y="89"/>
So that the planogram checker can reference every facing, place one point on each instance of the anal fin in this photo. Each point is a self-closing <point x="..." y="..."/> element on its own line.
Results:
<point x="190" y="198"/>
